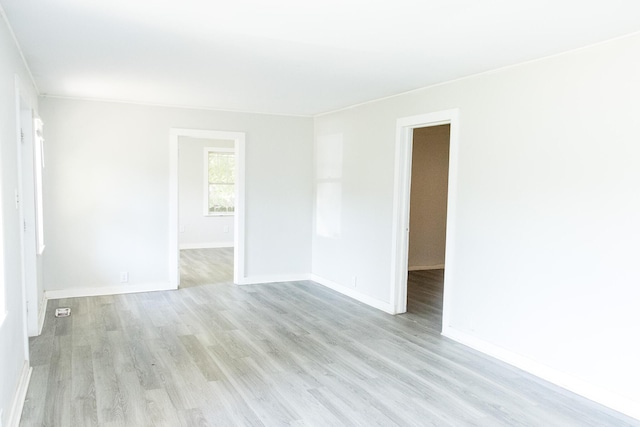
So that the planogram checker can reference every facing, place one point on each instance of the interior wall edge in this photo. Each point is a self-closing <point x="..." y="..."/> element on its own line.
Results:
<point x="569" y="382"/>
<point x="209" y="245"/>
<point x="274" y="278"/>
<point x="426" y="267"/>
<point x="108" y="290"/>
<point x="41" y="313"/>
<point x="353" y="293"/>
<point x="15" y="411"/>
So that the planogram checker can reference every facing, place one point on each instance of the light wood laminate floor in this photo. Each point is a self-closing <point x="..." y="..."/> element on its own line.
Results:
<point x="206" y="267"/>
<point x="278" y="354"/>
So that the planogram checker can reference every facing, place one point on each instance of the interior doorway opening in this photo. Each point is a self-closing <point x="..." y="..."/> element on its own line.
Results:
<point x="29" y="203"/>
<point x="428" y="222"/>
<point x="229" y="230"/>
<point x="206" y="210"/>
<point x="401" y="264"/>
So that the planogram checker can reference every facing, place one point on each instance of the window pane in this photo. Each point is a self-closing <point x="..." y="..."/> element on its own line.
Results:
<point x="221" y="198"/>
<point x="38" y="166"/>
<point x="221" y="168"/>
<point x="221" y="171"/>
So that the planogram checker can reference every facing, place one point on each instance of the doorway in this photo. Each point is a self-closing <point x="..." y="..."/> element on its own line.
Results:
<point x="30" y="206"/>
<point x="236" y="140"/>
<point x="427" y="222"/>
<point x="206" y="211"/>
<point x="405" y="129"/>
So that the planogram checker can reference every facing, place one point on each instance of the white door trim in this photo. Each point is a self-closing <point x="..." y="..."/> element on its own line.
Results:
<point x="239" y="215"/>
<point x="401" y="201"/>
<point x="25" y="265"/>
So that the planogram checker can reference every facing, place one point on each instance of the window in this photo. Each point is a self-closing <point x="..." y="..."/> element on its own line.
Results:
<point x="38" y="167"/>
<point x="220" y="181"/>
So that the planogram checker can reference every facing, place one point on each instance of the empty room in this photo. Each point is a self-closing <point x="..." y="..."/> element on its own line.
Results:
<point x="413" y="213"/>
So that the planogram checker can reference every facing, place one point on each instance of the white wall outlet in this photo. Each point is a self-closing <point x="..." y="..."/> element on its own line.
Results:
<point x="226" y="229"/>
<point x="124" y="277"/>
<point x="355" y="281"/>
<point x="182" y="228"/>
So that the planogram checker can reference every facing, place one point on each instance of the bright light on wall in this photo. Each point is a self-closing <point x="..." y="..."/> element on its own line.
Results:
<point x="3" y="307"/>
<point x="329" y="186"/>
<point x="38" y="170"/>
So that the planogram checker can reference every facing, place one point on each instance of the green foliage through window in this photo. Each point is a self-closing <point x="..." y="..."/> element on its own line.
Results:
<point x="221" y="173"/>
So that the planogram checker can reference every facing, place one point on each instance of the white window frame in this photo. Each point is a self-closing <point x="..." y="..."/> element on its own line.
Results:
<point x="38" y="171"/>
<point x="208" y="150"/>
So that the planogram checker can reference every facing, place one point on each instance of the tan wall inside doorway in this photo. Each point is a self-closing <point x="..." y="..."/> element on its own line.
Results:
<point x="428" y="214"/>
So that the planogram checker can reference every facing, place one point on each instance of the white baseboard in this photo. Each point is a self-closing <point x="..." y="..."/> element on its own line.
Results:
<point x="15" y="412"/>
<point x="42" y="313"/>
<point x="592" y="392"/>
<point x="353" y="293"/>
<point x="426" y="267"/>
<point x="350" y="292"/>
<point x="255" y="280"/>
<point x="208" y="245"/>
<point x="109" y="290"/>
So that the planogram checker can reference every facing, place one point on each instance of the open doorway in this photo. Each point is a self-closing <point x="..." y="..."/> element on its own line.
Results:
<point x="29" y="202"/>
<point x="203" y="142"/>
<point x="428" y="222"/>
<point x="206" y="198"/>
<point x="427" y="258"/>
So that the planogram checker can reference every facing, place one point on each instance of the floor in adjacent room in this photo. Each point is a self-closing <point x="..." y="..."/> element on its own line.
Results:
<point x="206" y="267"/>
<point x="277" y="354"/>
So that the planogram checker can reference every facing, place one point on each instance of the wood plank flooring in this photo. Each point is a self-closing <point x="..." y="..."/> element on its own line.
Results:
<point x="278" y="354"/>
<point x="206" y="266"/>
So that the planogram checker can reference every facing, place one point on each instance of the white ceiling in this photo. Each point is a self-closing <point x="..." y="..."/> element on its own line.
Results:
<point x="291" y="56"/>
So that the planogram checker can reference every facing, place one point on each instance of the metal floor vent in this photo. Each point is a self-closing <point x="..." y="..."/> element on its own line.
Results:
<point x="63" y="312"/>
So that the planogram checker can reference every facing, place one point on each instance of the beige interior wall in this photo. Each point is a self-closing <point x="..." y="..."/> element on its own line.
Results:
<point x="429" y="176"/>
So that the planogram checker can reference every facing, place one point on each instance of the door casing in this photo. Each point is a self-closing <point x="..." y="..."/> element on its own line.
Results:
<point x="239" y="214"/>
<point x="401" y="206"/>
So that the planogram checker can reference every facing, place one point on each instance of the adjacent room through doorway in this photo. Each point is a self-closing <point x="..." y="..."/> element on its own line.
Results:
<point x="428" y="222"/>
<point x="206" y="188"/>
<point x="206" y="266"/>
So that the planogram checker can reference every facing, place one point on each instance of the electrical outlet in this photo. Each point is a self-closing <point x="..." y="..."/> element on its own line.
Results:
<point x="226" y="228"/>
<point x="124" y="277"/>
<point x="355" y="281"/>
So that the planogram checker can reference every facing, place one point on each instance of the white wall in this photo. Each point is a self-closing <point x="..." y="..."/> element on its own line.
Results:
<point x="198" y="230"/>
<point x="428" y="213"/>
<point x="107" y="192"/>
<point x="548" y="203"/>
<point x="12" y="329"/>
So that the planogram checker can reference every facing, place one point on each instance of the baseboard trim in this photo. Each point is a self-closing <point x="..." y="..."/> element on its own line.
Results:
<point x="109" y="290"/>
<point x="209" y="245"/>
<point x="256" y="280"/>
<point x="597" y="394"/>
<point x="42" y="313"/>
<point x="19" y="397"/>
<point x="353" y="293"/>
<point x="426" y="267"/>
